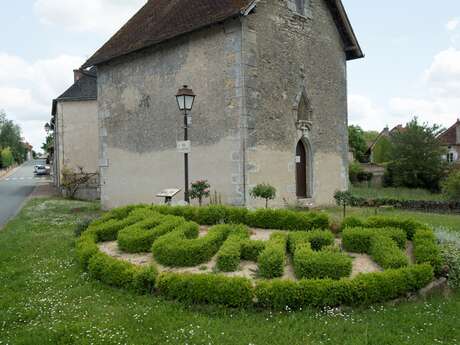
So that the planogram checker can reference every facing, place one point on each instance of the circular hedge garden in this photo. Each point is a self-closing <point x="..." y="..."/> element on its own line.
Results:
<point x="321" y="268"/>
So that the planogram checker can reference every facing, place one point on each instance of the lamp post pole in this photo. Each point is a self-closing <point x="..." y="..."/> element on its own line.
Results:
<point x="185" y="99"/>
<point x="186" y="193"/>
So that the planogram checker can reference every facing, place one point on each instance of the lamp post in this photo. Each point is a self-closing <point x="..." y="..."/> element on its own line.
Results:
<point x="185" y="99"/>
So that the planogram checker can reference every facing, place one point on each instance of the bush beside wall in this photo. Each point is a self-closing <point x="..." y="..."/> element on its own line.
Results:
<point x="278" y="219"/>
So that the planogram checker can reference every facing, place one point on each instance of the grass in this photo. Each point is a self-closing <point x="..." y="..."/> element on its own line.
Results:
<point x="450" y="222"/>
<point x="45" y="298"/>
<point x="396" y="193"/>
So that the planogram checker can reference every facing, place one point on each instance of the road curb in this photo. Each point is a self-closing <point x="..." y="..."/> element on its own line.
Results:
<point x="9" y="172"/>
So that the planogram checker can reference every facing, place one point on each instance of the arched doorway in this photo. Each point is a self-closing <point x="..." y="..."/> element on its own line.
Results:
<point x="302" y="171"/>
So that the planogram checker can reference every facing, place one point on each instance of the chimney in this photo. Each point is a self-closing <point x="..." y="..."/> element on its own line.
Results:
<point x="77" y="75"/>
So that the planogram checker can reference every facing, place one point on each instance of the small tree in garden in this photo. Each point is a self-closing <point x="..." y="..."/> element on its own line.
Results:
<point x="343" y="199"/>
<point x="451" y="187"/>
<point x="264" y="191"/>
<point x="200" y="189"/>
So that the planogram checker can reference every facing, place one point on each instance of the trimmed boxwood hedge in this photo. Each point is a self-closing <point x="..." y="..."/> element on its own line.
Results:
<point x="122" y="274"/>
<point x="273" y="258"/>
<point x="317" y="238"/>
<point x="177" y="249"/>
<point x="410" y="226"/>
<point x="139" y="237"/>
<point x="310" y="264"/>
<point x="229" y="255"/>
<point x="206" y="289"/>
<point x="240" y="292"/>
<point x="251" y="249"/>
<point x="384" y="245"/>
<point x="426" y="250"/>
<point x="365" y="289"/>
<point x="278" y="219"/>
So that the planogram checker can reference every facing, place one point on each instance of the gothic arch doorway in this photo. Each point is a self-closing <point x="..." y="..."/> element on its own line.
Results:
<point x="303" y="168"/>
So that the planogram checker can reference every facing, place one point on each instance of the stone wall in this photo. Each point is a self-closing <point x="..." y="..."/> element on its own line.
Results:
<point x="78" y="140"/>
<point x="140" y="121"/>
<point x="286" y="54"/>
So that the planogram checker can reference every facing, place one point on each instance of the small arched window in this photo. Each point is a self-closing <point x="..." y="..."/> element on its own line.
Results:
<point x="304" y="111"/>
<point x="300" y="4"/>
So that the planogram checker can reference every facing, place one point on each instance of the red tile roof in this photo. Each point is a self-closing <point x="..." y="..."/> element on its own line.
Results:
<point x="161" y="20"/>
<point x="449" y="137"/>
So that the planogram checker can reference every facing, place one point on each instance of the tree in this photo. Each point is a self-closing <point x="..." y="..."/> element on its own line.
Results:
<point x="10" y="136"/>
<point x="264" y="191"/>
<point x="343" y="199"/>
<point x="451" y="186"/>
<point x="200" y="189"/>
<point x="357" y="142"/>
<point x="382" y="150"/>
<point x="6" y="158"/>
<point x="72" y="180"/>
<point x="416" y="157"/>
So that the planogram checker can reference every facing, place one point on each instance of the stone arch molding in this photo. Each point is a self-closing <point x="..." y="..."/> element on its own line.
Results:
<point x="303" y="112"/>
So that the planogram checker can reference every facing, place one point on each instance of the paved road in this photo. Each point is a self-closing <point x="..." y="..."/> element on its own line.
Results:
<point x="15" y="189"/>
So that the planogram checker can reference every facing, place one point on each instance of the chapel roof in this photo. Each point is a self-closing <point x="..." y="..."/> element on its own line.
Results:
<point x="161" y="20"/>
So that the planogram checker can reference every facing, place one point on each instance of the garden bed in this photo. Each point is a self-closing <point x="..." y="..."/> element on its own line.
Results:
<point x="238" y="266"/>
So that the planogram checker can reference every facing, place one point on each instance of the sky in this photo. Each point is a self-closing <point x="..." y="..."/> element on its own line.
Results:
<point x="411" y="68"/>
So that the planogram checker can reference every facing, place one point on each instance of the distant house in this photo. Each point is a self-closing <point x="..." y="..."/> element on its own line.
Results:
<point x="75" y="120"/>
<point x="271" y="85"/>
<point x="373" y="153"/>
<point x="450" y="139"/>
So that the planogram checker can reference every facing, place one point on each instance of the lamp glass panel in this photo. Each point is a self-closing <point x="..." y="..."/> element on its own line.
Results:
<point x="181" y="102"/>
<point x="189" y="102"/>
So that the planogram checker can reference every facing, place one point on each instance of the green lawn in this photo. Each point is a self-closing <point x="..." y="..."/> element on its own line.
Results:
<point x="45" y="298"/>
<point x="448" y="221"/>
<point x="396" y="193"/>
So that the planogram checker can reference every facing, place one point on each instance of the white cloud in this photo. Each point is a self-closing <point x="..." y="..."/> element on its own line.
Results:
<point x="28" y="88"/>
<point x="453" y="24"/>
<point x="443" y="76"/>
<point x="99" y="16"/>
<point x="364" y="112"/>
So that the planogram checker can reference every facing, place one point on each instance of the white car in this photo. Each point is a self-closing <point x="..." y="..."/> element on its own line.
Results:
<point x="41" y="170"/>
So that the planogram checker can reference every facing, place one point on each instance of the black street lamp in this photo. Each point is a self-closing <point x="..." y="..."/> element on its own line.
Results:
<point x="185" y="99"/>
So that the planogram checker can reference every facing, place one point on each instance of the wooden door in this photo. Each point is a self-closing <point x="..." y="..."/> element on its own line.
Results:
<point x="301" y="170"/>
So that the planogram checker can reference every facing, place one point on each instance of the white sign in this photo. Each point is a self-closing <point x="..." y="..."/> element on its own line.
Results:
<point x="168" y="193"/>
<point x="184" y="146"/>
<point x="298" y="159"/>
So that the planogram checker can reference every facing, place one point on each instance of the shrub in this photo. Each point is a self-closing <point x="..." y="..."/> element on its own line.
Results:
<point x="229" y="255"/>
<point x="86" y="247"/>
<point x="278" y="219"/>
<point x="426" y="250"/>
<point x="451" y="187"/>
<point x="320" y="265"/>
<point x="179" y="250"/>
<point x="272" y="260"/>
<point x="206" y="289"/>
<point x="138" y="238"/>
<point x="317" y="238"/>
<point x="200" y="190"/>
<point x="250" y="249"/>
<point x="82" y="226"/>
<point x="450" y="253"/>
<point x="386" y="253"/>
<point x="365" y="289"/>
<point x="264" y="191"/>
<point x="352" y="222"/>
<point x="357" y="240"/>
<point x="410" y="226"/>
<point x="122" y="274"/>
<point x="343" y="199"/>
